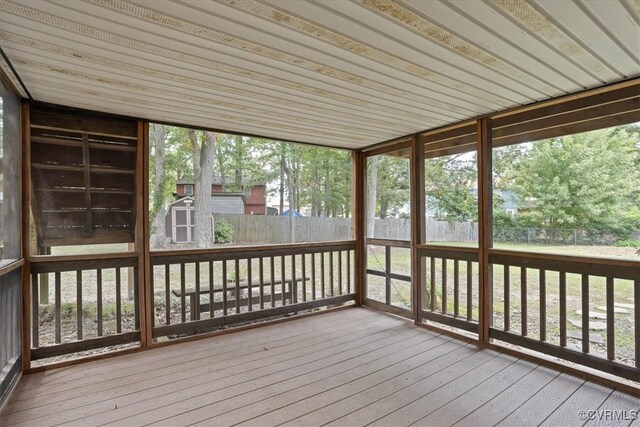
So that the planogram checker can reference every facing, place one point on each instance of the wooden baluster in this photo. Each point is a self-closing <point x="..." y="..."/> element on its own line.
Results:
<point x="249" y="287"/>
<point x="585" y="313"/>
<point x="339" y="272"/>
<point x="469" y="291"/>
<point x="238" y="291"/>
<point x="35" y="311"/>
<point x="261" y="272"/>
<point x="348" y="272"/>
<point x="523" y="300"/>
<point x="119" y="301"/>
<point x="543" y="305"/>
<point x="167" y="293"/>
<point x="456" y="288"/>
<point x="152" y="287"/>
<point x="313" y="276"/>
<point x="387" y="271"/>
<point x="272" y="273"/>
<point x="304" y="278"/>
<point x="322" y="274"/>
<point x="293" y="285"/>
<point x="283" y="280"/>
<point x="183" y="290"/>
<point x="507" y="298"/>
<point x="58" y="304"/>
<point x="79" y="314"/>
<point x="211" y="293"/>
<point x="444" y="286"/>
<point x="99" y="301"/>
<point x="224" y="287"/>
<point x="331" y="282"/>
<point x="563" y="309"/>
<point x="136" y="299"/>
<point x="433" y="284"/>
<point x="195" y="300"/>
<point x="611" y="327"/>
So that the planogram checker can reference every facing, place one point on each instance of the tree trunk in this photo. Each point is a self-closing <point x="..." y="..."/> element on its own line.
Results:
<point x="372" y="187"/>
<point x="203" y="159"/>
<point x="158" y="237"/>
<point x="281" y="189"/>
<point x="290" y="193"/>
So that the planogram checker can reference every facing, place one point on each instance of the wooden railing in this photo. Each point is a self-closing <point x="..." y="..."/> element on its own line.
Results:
<point x="449" y="286"/>
<point x="392" y="273"/>
<point x="601" y="294"/>
<point x="198" y="291"/>
<point x="91" y="306"/>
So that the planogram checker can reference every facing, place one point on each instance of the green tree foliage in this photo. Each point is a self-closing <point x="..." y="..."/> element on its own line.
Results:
<point x="393" y="187"/>
<point x="450" y="187"/>
<point x="585" y="181"/>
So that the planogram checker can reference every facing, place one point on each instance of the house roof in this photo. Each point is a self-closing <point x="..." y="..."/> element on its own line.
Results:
<point x="345" y="74"/>
<point x="218" y="181"/>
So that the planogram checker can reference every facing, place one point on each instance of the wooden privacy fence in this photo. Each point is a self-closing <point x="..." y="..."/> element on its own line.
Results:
<point x="275" y="229"/>
<point x="202" y="290"/>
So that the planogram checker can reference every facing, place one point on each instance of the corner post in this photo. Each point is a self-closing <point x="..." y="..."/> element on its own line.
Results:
<point x="417" y="225"/>
<point x="358" y="172"/>
<point x="26" y="235"/>
<point x="485" y="226"/>
<point x="142" y="235"/>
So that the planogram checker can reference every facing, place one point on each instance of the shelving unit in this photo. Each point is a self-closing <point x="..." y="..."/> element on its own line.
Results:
<point x="92" y="162"/>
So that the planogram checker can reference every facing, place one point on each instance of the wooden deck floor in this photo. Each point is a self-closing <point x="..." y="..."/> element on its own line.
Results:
<point x="352" y="367"/>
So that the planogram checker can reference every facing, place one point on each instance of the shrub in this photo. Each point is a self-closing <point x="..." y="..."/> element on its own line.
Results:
<point x="223" y="231"/>
<point x="627" y="244"/>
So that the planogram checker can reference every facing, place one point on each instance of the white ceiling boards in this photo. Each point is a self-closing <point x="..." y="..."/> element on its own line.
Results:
<point x="339" y="73"/>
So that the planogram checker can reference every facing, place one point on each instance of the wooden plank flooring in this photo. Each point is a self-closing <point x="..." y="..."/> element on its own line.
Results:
<point x="347" y="368"/>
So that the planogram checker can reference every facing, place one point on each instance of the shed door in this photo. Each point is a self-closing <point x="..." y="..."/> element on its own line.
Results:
<point x="182" y="224"/>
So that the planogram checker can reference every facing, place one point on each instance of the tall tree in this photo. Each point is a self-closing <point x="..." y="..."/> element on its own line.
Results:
<point x="158" y="237"/>
<point x="203" y="150"/>
<point x="372" y="188"/>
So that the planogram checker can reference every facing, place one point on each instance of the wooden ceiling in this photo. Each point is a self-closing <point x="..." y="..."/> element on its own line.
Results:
<point x="340" y="73"/>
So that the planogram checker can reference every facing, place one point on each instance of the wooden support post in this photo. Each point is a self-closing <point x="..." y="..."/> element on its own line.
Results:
<point x="26" y="236"/>
<point x="145" y="293"/>
<point x="418" y="232"/>
<point x="358" y="174"/>
<point x="485" y="226"/>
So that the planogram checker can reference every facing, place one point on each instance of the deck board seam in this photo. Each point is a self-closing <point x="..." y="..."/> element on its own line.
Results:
<point x="341" y="385"/>
<point x="305" y="373"/>
<point x="239" y="364"/>
<point x="207" y="356"/>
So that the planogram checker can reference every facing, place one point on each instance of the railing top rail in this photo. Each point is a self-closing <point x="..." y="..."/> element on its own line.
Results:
<point x="51" y="259"/>
<point x="240" y="252"/>
<point x="572" y="258"/>
<point x="430" y="247"/>
<point x="61" y="264"/>
<point x="395" y="243"/>
<point x="448" y="252"/>
<point x="8" y="268"/>
<point x="624" y="269"/>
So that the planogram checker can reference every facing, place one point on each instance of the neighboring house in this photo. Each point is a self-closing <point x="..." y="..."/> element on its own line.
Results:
<point x="255" y="200"/>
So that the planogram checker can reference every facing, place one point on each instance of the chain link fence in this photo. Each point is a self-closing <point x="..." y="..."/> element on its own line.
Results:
<point x="546" y="236"/>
